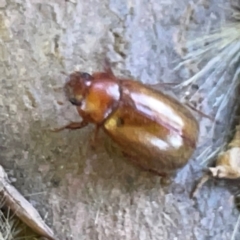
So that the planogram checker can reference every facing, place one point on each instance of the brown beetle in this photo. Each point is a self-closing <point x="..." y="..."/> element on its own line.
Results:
<point x="152" y="129"/>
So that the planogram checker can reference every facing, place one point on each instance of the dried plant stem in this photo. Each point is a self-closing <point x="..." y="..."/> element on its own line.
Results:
<point x="235" y="229"/>
<point x="227" y="164"/>
<point x="221" y="46"/>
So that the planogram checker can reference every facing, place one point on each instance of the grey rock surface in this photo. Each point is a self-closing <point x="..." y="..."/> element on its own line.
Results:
<point x="85" y="194"/>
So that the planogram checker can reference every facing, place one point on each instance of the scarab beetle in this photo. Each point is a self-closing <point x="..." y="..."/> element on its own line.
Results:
<point x="154" y="130"/>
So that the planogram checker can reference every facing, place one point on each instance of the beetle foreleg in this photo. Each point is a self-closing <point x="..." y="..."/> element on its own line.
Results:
<point x="71" y="126"/>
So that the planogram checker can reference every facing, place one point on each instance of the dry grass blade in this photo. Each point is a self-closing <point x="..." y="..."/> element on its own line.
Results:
<point x="221" y="46"/>
<point x="10" y="227"/>
<point x="235" y="229"/>
<point x="216" y="51"/>
<point x="226" y="96"/>
<point x="214" y="58"/>
<point x="210" y="154"/>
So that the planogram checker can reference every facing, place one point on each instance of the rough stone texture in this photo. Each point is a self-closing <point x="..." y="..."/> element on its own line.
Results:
<point x="85" y="194"/>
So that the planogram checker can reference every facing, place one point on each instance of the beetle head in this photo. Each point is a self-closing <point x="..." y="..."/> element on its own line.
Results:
<point x="76" y="87"/>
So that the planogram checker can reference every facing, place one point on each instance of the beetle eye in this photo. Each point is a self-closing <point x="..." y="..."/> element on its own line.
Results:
<point x="86" y="76"/>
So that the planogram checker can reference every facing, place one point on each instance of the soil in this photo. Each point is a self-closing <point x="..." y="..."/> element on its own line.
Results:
<point x="85" y="194"/>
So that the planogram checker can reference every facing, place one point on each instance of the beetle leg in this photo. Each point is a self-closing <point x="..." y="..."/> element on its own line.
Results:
<point x="93" y="139"/>
<point x="135" y="162"/>
<point x="165" y="179"/>
<point x="162" y="84"/>
<point x="161" y="174"/>
<point x="201" y="113"/>
<point x="72" y="126"/>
